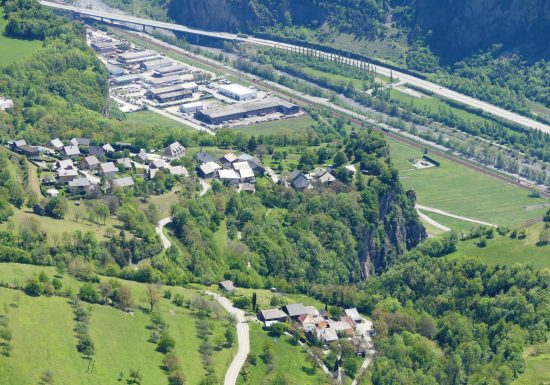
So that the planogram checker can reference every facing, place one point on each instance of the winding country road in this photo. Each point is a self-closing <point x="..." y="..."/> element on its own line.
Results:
<point x="243" y="332"/>
<point x="243" y="337"/>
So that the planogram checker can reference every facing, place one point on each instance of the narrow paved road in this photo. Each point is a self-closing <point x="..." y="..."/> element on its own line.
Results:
<point x="447" y="214"/>
<point x="243" y="337"/>
<point x="159" y="230"/>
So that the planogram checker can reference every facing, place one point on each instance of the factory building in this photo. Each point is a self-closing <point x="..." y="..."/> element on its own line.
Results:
<point x="114" y="70"/>
<point x="169" y="94"/>
<point x="104" y="47"/>
<point x="125" y="79"/>
<point x="178" y="69"/>
<point x="191" y="107"/>
<point x="167" y="80"/>
<point x="237" y="92"/>
<point x="139" y="57"/>
<point x="245" y="110"/>
<point x="156" y="64"/>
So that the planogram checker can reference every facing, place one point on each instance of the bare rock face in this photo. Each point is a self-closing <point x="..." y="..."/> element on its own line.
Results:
<point x="461" y="27"/>
<point x="399" y="232"/>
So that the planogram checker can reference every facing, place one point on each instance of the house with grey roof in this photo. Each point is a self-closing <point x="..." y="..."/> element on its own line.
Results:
<point x="204" y="157"/>
<point x="107" y="170"/>
<point x="90" y="162"/>
<point x="227" y="286"/>
<point x="126" y="162"/>
<point x="96" y="151"/>
<point x="295" y="310"/>
<point x="56" y="144"/>
<point x="208" y="170"/>
<point x="67" y="174"/>
<point x="71" y="151"/>
<point x="79" y="184"/>
<point x="143" y="156"/>
<point x="174" y="151"/>
<point x="80" y="142"/>
<point x="108" y="148"/>
<point x="272" y="316"/>
<point x="122" y="182"/>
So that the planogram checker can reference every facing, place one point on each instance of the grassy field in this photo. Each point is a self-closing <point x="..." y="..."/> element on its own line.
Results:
<point x="463" y="191"/>
<point x="43" y="338"/>
<point x="433" y="104"/>
<point x="151" y="119"/>
<point x="57" y="227"/>
<point x="537" y="358"/>
<point x="289" y="361"/>
<point x="14" y="50"/>
<point x="279" y="127"/>
<point x="452" y="223"/>
<point x="508" y="251"/>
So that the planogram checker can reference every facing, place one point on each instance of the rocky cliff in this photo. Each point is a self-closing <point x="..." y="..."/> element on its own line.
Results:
<point x="458" y="27"/>
<point x="400" y="231"/>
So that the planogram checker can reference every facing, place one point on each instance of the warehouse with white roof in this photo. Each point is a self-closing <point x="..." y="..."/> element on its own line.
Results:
<point x="237" y="92"/>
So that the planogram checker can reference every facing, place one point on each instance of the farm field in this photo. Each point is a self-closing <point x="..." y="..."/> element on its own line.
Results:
<point x="43" y="337"/>
<point x="289" y="361"/>
<point x="508" y="251"/>
<point x="151" y="119"/>
<point x="14" y="50"/>
<point x="462" y="191"/>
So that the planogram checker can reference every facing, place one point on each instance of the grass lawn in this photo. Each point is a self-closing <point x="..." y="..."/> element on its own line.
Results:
<point x="57" y="227"/>
<point x="289" y="361"/>
<point x="279" y="127"/>
<point x="537" y="358"/>
<point x="504" y="250"/>
<point x="452" y="223"/>
<point x="151" y="119"/>
<point x="43" y="337"/>
<point x="463" y="191"/>
<point x="14" y="50"/>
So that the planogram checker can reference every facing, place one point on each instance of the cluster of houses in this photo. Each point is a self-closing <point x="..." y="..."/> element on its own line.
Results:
<point x="82" y="167"/>
<point x="233" y="170"/>
<point x="317" y="324"/>
<point x="320" y="176"/>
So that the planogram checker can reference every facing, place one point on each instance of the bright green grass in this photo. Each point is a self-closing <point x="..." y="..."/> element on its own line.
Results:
<point x="44" y="338"/>
<point x="151" y="119"/>
<point x="334" y="78"/>
<point x="278" y="127"/>
<point x="14" y="50"/>
<point x="290" y="361"/>
<point x="463" y="191"/>
<point x="507" y="251"/>
<point x="433" y="104"/>
<point x="57" y="227"/>
<point x="452" y="223"/>
<point x="538" y="366"/>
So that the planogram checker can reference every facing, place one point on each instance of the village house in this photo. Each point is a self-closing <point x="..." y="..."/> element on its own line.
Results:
<point x="90" y="162"/>
<point x="229" y="177"/>
<point x="354" y="315"/>
<point x="122" y="182"/>
<point x="299" y="181"/>
<point x="253" y="163"/>
<point x="84" y="142"/>
<point x="272" y="316"/>
<point x="96" y="151"/>
<point x="28" y="150"/>
<point x="56" y="144"/>
<point x="157" y="163"/>
<point x="108" y="148"/>
<point x="80" y="184"/>
<point x="126" y="162"/>
<point x="107" y="170"/>
<point x="295" y="310"/>
<point x="228" y="159"/>
<point x="208" y="170"/>
<point x="70" y="151"/>
<point x="66" y="174"/>
<point x="227" y="286"/>
<point x="64" y="164"/>
<point x="174" y="151"/>
<point x="203" y="157"/>
<point x="179" y="171"/>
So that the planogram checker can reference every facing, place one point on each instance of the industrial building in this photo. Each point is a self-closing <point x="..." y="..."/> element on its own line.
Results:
<point x="172" y="70"/>
<point x="104" y="47"/>
<point x="168" y="94"/>
<point x="191" y="107"/>
<point x="245" y="110"/>
<point x="156" y="64"/>
<point x="237" y="92"/>
<point x="167" y="80"/>
<point x="125" y="79"/>
<point x="139" y="57"/>
<point x="114" y="70"/>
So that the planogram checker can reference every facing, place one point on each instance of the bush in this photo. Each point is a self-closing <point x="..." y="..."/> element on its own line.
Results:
<point x="165" y="343"/>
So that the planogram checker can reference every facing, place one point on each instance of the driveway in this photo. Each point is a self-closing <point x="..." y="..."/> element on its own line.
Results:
<point x="159" y="230"/>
